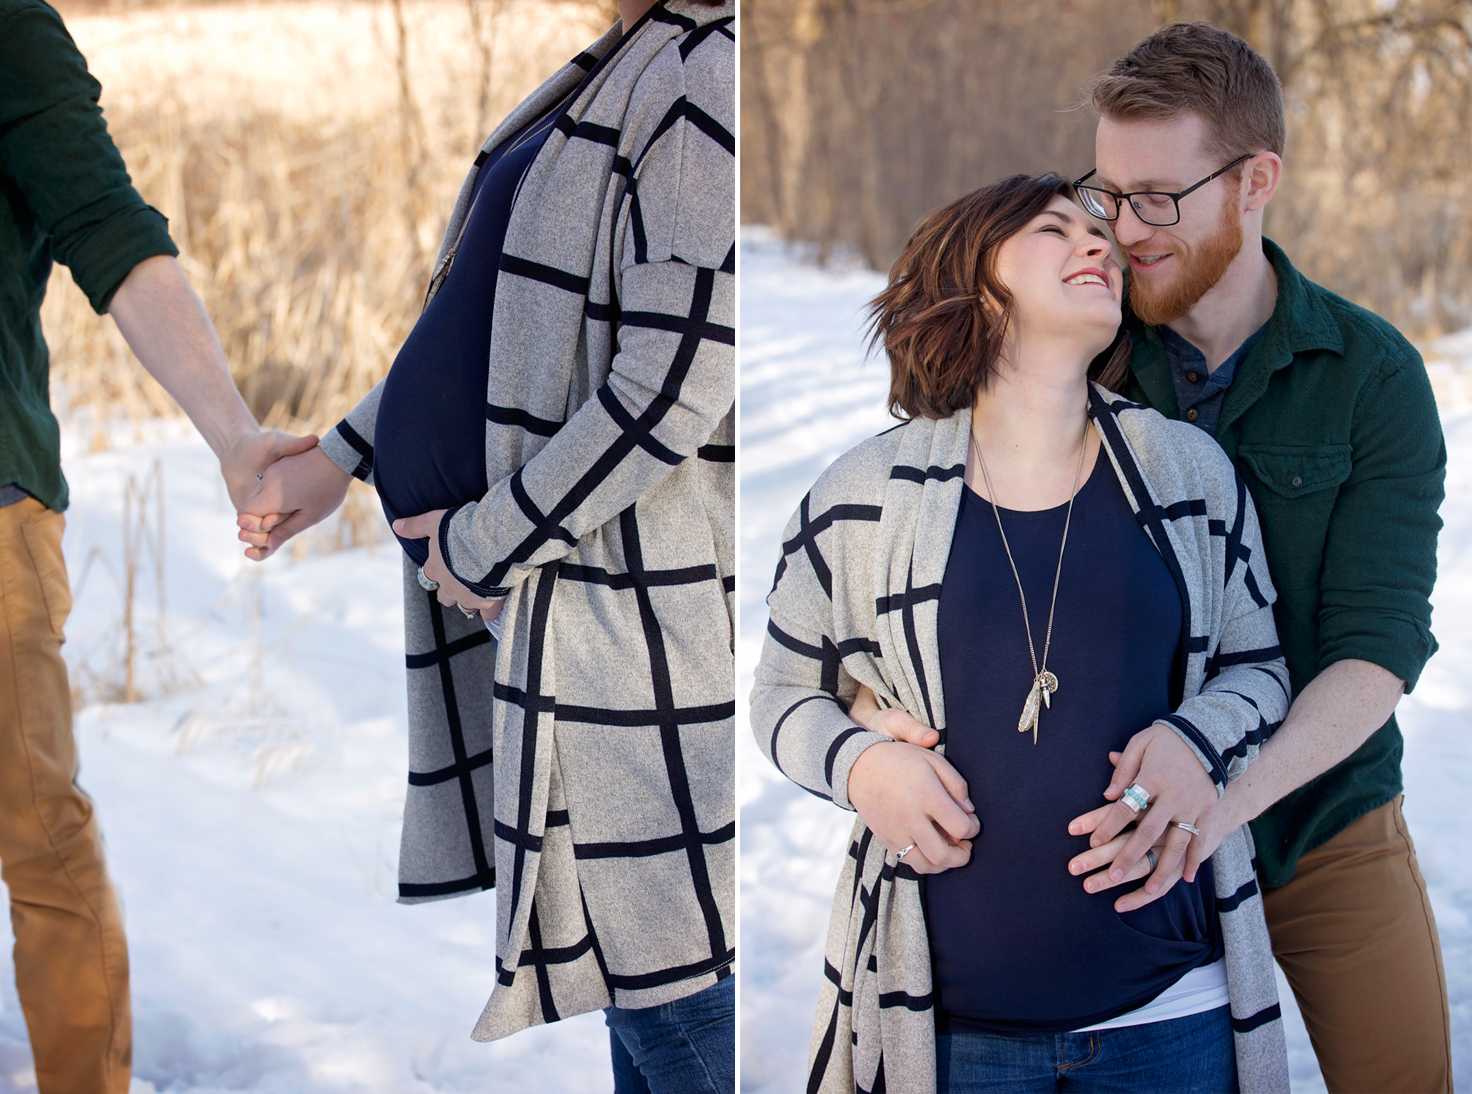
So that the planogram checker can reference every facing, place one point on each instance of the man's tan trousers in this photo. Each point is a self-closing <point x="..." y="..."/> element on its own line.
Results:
<point x="1354" y="934"/>
<point x="71" y="960"/>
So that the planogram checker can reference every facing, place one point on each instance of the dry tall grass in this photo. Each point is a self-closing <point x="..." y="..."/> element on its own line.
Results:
<point x="307" y="155"/>
<point x="859" y="116"/>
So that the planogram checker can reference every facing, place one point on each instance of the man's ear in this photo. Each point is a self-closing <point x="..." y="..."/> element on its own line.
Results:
<point x="1260" y="178"/>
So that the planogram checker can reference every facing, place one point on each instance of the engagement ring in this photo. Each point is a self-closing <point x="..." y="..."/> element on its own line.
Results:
<point x="468" y="613"/>
<point x="1189" y="828"/>
<point x="906" y="851"/>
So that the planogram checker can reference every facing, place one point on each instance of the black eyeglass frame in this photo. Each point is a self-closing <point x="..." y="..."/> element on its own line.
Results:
<point x="1121" y="199"/>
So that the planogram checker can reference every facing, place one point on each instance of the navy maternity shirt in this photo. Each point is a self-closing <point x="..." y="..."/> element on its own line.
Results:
<point x="1018" y="946"/>
<point x="429" y="440"/>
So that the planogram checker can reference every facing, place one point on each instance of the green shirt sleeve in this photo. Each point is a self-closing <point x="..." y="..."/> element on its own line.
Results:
<point x="1380" y="556"/>
<point x="56" y="151"/>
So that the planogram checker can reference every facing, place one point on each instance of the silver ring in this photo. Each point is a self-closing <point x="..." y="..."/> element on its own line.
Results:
<point x="1136" y="797"/>
<point x="468" y="613"/>
<point x="1189" y="828"/>
<point x="906" y="851"/>
<point x="1150" y="855"/>
<point x="260" y="475"/>
<point x="426" y="584"/>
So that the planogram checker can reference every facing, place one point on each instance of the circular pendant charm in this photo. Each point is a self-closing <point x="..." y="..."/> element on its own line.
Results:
<point x="1049" y="681"/>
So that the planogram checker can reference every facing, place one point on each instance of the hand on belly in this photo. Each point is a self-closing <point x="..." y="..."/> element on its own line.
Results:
<point x="450" y="591"/>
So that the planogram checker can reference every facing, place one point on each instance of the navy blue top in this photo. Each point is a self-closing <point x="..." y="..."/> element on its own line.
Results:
<point x="1199" y="393"/>
<point x="1018" y="946"/>
<point x="429" y="440"/>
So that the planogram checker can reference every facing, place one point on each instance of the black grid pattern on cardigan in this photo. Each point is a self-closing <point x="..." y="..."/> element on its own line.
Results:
<point x="692" y="327"/>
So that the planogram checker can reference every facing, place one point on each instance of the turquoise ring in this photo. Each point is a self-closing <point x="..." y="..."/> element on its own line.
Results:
<point x="426" y="584"/>
<point x="1136" y="797"/>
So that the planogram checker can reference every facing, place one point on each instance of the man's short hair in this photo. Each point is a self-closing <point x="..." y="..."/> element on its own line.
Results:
<point x="1199" y="68"/>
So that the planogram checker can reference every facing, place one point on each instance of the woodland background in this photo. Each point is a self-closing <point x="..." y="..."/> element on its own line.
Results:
<point x="859" y="116"/>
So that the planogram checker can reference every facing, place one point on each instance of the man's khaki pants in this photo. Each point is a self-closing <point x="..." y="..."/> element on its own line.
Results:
<point x="1354" y="934"/>
<point x="71" y="960"/>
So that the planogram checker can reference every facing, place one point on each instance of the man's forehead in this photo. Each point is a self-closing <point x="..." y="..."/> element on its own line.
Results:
<point x="1151" y="153"/>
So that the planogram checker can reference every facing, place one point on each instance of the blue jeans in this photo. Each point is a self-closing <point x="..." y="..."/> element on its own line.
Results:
<point x="1191" y="1055"/>
<point x="684" y="1047"/>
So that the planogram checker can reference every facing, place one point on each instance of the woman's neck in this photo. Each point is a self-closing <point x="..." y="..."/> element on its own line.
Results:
<point x="1029" y="422"/>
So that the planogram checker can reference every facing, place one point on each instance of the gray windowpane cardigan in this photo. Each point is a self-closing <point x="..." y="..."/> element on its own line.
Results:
<point x="586" y="762"/>
<point x="855" y="601"/>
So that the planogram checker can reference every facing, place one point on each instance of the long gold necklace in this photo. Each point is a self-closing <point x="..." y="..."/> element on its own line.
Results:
<point x="1044" y="683"/>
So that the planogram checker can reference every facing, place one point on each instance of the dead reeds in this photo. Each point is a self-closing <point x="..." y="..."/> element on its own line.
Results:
<point x="306" y="213"/>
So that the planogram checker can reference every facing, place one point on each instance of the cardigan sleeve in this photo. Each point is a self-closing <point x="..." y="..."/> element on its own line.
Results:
<point x="1245" y="696"/>
<point x="672" y="378"/>
<point x="349" y="444"/>
<point x="799" y="706"/>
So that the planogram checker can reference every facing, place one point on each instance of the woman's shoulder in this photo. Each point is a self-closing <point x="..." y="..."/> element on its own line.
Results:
<point x="699" y="50"/>
<point x="1157" y="439"/>
<point x="861" y="475"/>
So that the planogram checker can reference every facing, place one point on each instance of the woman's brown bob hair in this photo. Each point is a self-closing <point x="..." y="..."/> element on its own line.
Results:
<point x="944" y="316"/>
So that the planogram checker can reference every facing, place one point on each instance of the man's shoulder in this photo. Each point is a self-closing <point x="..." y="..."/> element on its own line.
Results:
<point x="1371" y="343"/>
<point x="24" y="23"/>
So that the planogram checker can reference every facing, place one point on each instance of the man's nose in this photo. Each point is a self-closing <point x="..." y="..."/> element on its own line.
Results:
<point x="1129" y="228"/>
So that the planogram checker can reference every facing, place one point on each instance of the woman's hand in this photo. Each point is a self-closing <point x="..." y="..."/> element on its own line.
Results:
<point x="294" y="493"/>
<point x="909" y="795"/>
<point x="1180" y="792"/>
<point x="450" y="591"/>
<point x="1096" y="858"/>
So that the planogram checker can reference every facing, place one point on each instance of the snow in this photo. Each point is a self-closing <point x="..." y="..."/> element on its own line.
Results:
<point x="807" y="395"/>
<point x="251" y="805"/>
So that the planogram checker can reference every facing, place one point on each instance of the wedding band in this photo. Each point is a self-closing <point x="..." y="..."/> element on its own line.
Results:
<point x="1189" y="828"/>
<point x="906" y="851"/>
<point x="468" y="613"/>
<point x="426" y="584"/>
<point x="1153" y="860"/>
<point x="1136" y="797"/>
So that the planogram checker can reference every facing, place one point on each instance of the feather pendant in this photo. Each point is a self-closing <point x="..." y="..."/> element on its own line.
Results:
<point x="1029" y="719"/>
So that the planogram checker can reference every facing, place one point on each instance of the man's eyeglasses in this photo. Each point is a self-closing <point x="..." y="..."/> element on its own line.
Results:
<point x="1153" y="207"/>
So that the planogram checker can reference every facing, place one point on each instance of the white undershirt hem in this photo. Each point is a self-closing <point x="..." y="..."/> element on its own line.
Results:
<point x="1200" y="990"/>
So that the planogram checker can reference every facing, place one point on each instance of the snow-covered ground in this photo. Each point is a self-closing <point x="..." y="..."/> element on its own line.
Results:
<point x="251" y="809"/>
<point x="807" y="395"/>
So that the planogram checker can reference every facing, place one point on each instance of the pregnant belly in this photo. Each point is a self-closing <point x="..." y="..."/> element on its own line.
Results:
<point x="429" y="440"/>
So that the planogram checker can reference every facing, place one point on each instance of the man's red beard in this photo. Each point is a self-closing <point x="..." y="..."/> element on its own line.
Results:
<point x="1201" y="268"/>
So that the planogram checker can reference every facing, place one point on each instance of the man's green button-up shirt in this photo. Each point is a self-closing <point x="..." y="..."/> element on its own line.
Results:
<point x="64" y="194"/>
<point x="1331" y="422"/>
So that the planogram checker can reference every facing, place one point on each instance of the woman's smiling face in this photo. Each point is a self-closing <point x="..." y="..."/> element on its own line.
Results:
<point x="1061" y="272"/>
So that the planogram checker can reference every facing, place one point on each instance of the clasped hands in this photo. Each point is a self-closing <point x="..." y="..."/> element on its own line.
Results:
<point x="907" y="794"/>
<point x="298" y="486"/>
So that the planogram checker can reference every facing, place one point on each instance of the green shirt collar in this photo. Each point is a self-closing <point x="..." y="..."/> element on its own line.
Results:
<point x="1301" y="323"/>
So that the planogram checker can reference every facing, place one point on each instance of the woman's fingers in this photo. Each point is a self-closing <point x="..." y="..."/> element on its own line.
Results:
<point x="955" y="786"/>
<point x="1127" y="767"/>
<point x="421" y="527"/>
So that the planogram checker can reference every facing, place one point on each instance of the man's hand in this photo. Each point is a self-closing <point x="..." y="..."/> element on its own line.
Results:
<point x="1096" y="858"/>
<point x="450" y="592"/>
<point x="892" y="722"/>
<point x="909" y="795"/>
<point x="1181" y="791"/>
<point x="250" y="453"/>
<point x="294" y="493"/>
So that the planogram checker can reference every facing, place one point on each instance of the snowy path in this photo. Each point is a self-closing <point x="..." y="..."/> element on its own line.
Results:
<point x="806" y="396"/>
<point x="252" y="821"/>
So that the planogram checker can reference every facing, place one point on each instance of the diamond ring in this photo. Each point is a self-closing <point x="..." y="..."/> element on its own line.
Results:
<point x="906" y="851"/>
<point x="1189" y="828"/>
